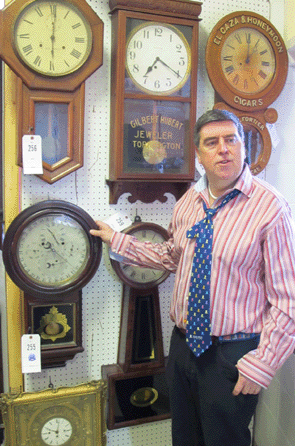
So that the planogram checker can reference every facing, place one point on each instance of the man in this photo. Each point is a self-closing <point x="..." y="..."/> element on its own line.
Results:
<point x="213" y="395"/>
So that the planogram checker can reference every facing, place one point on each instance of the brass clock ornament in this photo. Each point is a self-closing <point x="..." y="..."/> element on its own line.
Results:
<point x="48" y="251"/>
<point x="153" y="98"/>
<point x="246" y="60"/>
<point x="66" y="416"/>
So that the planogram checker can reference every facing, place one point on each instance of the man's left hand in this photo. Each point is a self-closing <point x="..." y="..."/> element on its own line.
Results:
<point x="245" y="385"/>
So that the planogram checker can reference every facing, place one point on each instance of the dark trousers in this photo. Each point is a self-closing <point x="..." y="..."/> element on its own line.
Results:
<point x="204" y="411"/>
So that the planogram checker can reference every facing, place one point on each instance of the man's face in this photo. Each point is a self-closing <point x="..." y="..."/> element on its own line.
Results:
<point x="221" y="152"/>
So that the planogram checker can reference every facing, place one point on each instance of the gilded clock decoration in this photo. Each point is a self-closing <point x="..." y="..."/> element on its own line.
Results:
<point x="53" y="325"/>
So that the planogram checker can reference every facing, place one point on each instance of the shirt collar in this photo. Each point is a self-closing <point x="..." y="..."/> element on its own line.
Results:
<point x="244" y="183"/>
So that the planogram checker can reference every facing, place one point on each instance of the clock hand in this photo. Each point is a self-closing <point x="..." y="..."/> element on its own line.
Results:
<point x="151" y="66"/>
<point x="52" y="37"/>
<point x="53" y="236"/>
<point x="167" y="66"/>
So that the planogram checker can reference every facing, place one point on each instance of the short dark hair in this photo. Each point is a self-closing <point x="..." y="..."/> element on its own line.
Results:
<point x="216" y="115"/>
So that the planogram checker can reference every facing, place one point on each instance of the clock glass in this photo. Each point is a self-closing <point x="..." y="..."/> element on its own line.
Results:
<point x="248" y="60"/>
<point x="57" y="431"/>
<point x="158" y="58"/>
<point x="52" y="38"/>
<point x="53" y="250"/>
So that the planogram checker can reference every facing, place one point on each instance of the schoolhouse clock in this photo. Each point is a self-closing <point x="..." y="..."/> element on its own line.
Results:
<point x="48" y="251"/>
<point x="53" y="47"/>
<point x="246" y="61"/>
<point x="153" y="97"/>
<point x="50" y="255"/>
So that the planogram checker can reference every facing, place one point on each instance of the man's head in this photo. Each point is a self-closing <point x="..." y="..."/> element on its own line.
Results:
<point x="213" y="116"/>
<point x="219" y="138"/>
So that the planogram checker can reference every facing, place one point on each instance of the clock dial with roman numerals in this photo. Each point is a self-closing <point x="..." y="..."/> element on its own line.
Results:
<point x="248" y="60"/>
<point x="52" y="38"/>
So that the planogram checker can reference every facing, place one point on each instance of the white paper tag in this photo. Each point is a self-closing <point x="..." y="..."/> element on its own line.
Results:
<point x="119" y="221"/>
<point x="272" y="130"/>
<point x="32" y="154"/>
<point x="31" y="353"/>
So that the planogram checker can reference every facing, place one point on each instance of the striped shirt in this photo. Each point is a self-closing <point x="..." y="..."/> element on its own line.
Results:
<point x="252" y="287"/>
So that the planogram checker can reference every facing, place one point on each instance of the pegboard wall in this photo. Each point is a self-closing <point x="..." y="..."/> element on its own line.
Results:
<point x="87" y="188"/>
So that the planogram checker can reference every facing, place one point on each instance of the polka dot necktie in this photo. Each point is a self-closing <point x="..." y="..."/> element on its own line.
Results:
<point x="198" y="334"/>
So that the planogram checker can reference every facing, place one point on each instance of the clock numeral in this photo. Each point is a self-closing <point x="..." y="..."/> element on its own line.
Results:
<point x="132" y="55"/>
<point x="262" y="74"/>
<point x="37" y="61"/>
<point x="135" y="68"/>
<point x="137" y="44"/>
<point x="230" y="46"/>
<point x="80" y="39"/>
<point x="179" y="48"/>
<point x="27" y="49"/>
<point x="24" y="36"/>
<point x="38" y="11"/>
<point x="133" y="274"/>
<point x="66" y="63"/>
<point x="236" y="79"/>
<point x="53" y="9"/>
<point x="263" y="52"/>
<point x="67" y="14"/>
<point x="76" y="54"/>
<point x="146" y="34"/>
<point x="265" y="64"/>
<point x="229" y="69"/>
<point x="157" y="84"/>
<point x="238" y="37"/>
<point x="228" y="58"/>
<point x="76" y="25"/>
<point x="158" y="32"/>
<point x="51" y="66"/>
<point x="27" y="21"/>
<point x="248" y="37"/>
<point x="245" y="84"/>
<point x="181" y="63"/>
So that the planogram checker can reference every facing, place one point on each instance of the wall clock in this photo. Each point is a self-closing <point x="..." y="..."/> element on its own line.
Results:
<point x="49" y="253"/>
<point x="153" y="97"/>
<point x="63" y="416"/>
<point x="246" y="60"/>
<point x="53" y="46"/>
<point x="137" y="388"/>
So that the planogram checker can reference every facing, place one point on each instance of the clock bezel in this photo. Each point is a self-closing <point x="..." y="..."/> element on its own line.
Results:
<point x="24" y="60"/>
<point x="176" y="31"/>
<point x="15" y="230"/>
<point x="33" y="79"/>
<point x="117" y="265"/>
<point x="236" y="99"/>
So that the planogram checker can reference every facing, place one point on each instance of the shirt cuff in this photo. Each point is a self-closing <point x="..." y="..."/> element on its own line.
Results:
<point x="256" y="370"/>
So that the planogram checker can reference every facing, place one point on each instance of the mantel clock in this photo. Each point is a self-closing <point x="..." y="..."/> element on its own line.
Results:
<point x="153" y="97"/>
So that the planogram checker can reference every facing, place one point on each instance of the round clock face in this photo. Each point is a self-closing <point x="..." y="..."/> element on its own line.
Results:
<point x="136" y="276"/>
<point x="48" y="248"/>
<point x="57" y="431"/>
<point x="53" y="250"/>
<point x="248" y="61"/>
<point x="52" y="38"/>
<point x="158" y="58"/>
